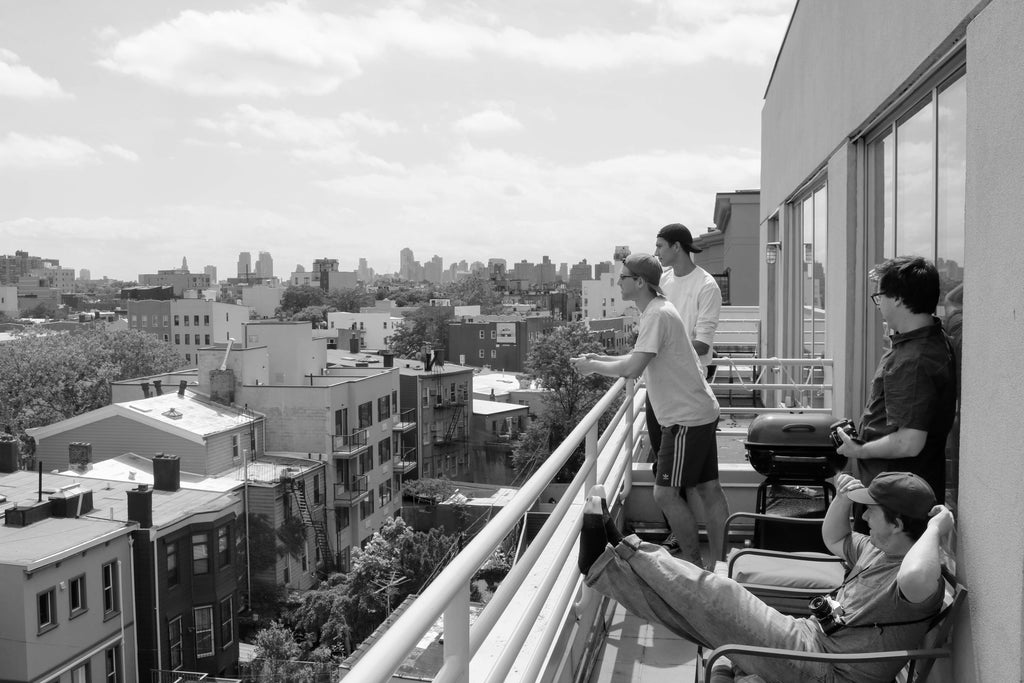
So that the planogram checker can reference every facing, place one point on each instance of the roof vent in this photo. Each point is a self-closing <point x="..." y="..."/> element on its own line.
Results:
<point x="172" y="414"/>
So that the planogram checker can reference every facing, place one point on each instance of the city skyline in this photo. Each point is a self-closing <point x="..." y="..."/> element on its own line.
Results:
<point x="135" y="135"/>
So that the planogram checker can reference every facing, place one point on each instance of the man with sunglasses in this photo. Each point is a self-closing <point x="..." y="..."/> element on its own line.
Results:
<point x="685" y="407"/>
<point x="912" y="400"/>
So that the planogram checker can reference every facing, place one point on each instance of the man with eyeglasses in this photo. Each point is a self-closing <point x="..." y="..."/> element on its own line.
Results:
<point x="912" y="401"/>
<point x="685" y="407"/>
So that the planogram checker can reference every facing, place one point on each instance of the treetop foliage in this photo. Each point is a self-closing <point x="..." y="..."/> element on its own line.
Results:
<point x="48" y="377"/>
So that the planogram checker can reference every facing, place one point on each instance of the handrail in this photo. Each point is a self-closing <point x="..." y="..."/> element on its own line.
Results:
<point x="448" y="593"/>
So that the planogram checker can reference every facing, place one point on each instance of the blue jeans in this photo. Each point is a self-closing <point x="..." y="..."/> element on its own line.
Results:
<point x="707" y="609"/>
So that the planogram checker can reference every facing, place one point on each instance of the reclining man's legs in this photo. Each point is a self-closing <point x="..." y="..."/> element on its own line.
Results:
<point x="697" y="605"/>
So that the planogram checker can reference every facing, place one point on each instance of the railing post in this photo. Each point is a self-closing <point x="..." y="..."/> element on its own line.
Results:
<point x="456" y="637"/>
<point x="590" y="460"/>
<point x="630" y="417"/>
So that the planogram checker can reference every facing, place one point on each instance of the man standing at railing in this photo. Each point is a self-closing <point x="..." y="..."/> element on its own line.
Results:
<point x="913" y="393"/>
<point x="696" y="295"/>
<point x="686" y="408"/>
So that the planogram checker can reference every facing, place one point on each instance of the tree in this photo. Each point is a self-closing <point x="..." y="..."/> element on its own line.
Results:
<point x="296" y="298"/>
<point x="475" y="291"/>
<point x="314" y="314"/>
<point x="433" y="491"/>
<point x="48" y="377"/>
<point x="350" y="300"/>
<point x="568" y="400"/>
<point x="395" y="563"/>
<point x="427" y="326"/>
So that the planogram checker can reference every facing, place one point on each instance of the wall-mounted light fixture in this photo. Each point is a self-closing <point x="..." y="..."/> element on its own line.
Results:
<point x="771" y="252"/>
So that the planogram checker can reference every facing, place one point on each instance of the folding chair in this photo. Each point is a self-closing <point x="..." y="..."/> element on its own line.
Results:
<point x="936" y="645"/>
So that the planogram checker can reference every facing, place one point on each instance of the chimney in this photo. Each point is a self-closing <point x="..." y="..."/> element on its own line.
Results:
<point x="140" y="506"/>
<point x="388" y="358"/>
<point x="10" y="453"/>
<point x="158" y="386"/>
<point x="222" y="386"/>
<point x="166" y="472"/>
<point x="79" y="456"/>
<point x="145" y="389"/>
<point x="353" y="344"/>
<point x="181" y="387"/>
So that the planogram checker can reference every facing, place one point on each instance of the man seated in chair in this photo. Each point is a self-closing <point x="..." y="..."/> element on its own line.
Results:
<point x="893" y="588"/>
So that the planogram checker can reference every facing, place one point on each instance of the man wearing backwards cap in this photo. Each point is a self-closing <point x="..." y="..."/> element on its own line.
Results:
<point x="685" y="407"/>
<point x="891" y="593"/>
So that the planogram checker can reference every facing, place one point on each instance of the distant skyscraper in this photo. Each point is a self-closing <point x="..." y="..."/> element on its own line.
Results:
<point x="432" y="269"/>
<point x="265" y="265"/>
<point x="212" y="272"/>
<point x="244" y="264"/>
<point x="363" y="272"/>
<point x="184" y="264"/>
<point x="405" y="263"/>
<point x="84" y="274"/>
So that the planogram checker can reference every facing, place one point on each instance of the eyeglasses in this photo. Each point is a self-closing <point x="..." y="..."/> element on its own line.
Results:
<point x="874" y="297"/>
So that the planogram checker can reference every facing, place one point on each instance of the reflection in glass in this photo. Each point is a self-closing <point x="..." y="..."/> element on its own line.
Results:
<point x="952" y="185"/>
<point x="915" y="180"/>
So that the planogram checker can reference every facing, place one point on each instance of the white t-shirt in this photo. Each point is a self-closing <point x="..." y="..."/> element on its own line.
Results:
<point x="699" y="301"/>
<point x="675" y="380"/>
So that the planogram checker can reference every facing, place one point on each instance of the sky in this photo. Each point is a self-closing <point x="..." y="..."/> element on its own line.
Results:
<point x="136" y="133"/>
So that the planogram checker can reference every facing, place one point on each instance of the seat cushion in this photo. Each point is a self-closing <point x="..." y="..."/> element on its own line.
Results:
<point x="791" y="571"/>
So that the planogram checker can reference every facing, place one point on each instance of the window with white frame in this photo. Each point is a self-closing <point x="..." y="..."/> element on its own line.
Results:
<point x="111" y="599"/>
<point x="202" y="621"/>
<point x="174" y="649"/>
<point x="46" y="610"/>
<point x="227" y="624"/>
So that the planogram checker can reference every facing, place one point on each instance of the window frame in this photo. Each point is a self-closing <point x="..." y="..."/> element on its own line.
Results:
<point x="48" y="621"/>
<point x="109" y="590"/>
<point x="204" y="545"/>
<point x="202" y="632"/>
<point x="172" y="563"/>
<point x="229" y="623"/>
<point x="175" y="643"/>
<point x="83" y="605"/>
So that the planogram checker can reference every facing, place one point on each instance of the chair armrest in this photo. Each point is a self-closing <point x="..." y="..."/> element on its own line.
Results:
<point x="771" y="519"/>
<point x="776" y="653"/>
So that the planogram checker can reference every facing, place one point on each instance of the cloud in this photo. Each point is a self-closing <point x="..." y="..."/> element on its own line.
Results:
<point x="22" y="82"/>
<point x="311" y="138"/>
<point x="535" y="199"/>
<point x="487" y="121"/>
<point x="22" y="151"/>
<point x="121" y="153"/>
<point x="277" y="50"/>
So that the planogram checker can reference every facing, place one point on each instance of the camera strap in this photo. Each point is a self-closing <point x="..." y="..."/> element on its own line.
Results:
<point x="880" y="626"/>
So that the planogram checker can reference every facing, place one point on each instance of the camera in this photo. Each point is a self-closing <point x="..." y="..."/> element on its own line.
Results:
<point x="828" y="612"/>
<point x="845" y="425"/>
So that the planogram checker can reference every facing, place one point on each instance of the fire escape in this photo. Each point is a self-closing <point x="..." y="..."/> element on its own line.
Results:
<point x="298" y="490"/>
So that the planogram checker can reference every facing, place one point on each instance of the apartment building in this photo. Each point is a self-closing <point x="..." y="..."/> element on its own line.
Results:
<point x="188" y="324"/>
<point x="500" y="342"/>
<point x="438" y="395"/>
<point x="67" y="611"/>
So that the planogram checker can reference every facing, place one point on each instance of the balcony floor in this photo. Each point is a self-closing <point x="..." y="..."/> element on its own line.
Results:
<point x="637" y="651"/>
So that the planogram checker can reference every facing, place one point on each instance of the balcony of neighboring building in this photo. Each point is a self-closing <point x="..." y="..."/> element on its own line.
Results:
<point x="406" y="421"/>
<point x="349" y="445"/>
<point x="352" y="491"/>
<point x="404" y="460"/>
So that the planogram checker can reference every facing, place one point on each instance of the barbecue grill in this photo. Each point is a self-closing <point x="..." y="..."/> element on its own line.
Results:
<point x="793" y="446"/>
<point x="795" y="454"/>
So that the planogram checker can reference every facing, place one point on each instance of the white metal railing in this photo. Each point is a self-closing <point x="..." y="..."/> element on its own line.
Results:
<point x="801" y="378"/>
<point x="448" y="594"/>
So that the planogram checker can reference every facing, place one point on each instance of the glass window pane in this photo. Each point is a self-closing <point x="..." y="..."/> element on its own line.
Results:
<point x="952" y="185"/>
<point x="915" y="181"/>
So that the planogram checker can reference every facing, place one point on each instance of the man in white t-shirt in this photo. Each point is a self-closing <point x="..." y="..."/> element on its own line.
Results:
<point x="697" y="297"/>
<point x="690" y="288"/>
<point x="685" y="406"/>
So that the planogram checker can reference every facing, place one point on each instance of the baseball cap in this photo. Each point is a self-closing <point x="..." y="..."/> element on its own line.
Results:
<point x="677" y="232"/>
<point x="902" y="492"/>
<point x="646" y="267"/>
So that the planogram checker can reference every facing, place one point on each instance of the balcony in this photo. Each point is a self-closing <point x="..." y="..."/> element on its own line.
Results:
<point x="349" y="444"/>
<point x="406" y="421"/>
<point x="352" y="492"/>
<point x="542" y="620"/>
<point x="405" y="460"/>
